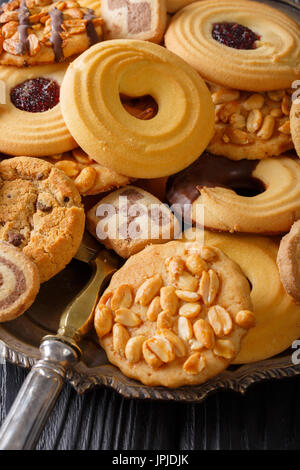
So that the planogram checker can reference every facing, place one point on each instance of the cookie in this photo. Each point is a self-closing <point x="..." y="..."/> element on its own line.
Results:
<point x="40" y="213"/>
<point x="239" y="44"/>
<point x="131" y="19"/>
<point x="288" y="261"/>
<point x="295" y="124"/>
<point x="19" y="282"/>
<point x="277" y="315"/>
<point x="251" y="125"/>
<point x="174" y="5"/>
<point x="31" y="121"/>
<point x="138" y="148"/>
<point x="129" y="219"/>
<point x="254" y="196"/>
<point x="90" y="177"/>
<point x="35" y="32"/>
<point x="174" y="314"/>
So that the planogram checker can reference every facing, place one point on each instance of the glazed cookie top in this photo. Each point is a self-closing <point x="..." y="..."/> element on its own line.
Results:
<point x="255" y="46"/>
<point x="174" y="314"/>
<point x="40" y="213"/>
<point x="35" y="32"/>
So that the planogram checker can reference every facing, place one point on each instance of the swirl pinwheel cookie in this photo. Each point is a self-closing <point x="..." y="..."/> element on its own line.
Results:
<point x="19" y="282"/>
<point x="101" y="125"/>
<point x="34" y="32"/>
<point x="174" y="314"/>
<point x="240" y="44"/>
<point x="251" y="125"/>
<point x="288" y="261"/>
<point x="30" y="119"/>
<point x="255" y="196"/>
<point x="277" y="315"/>
<point x="40" y="213"/>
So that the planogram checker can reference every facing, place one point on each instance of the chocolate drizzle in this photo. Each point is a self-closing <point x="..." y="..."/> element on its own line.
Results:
<point x="90" y="28"/>
<point x="213" y="171"/>
<point x="55" y="38"/>
<point x="24" y="24"/>
<point x="20" y="285"/>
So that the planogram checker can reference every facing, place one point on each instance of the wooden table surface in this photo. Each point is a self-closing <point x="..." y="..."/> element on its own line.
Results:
<point x="267" y="417"/>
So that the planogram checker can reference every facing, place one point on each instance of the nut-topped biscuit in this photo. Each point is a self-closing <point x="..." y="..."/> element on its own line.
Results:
<point x="129" y="219"/>
<point x="36" y="32"/>
<point x="19" y="282"/>
<point x="251" y="125"/>
<point x="174" y="314"/>
<point x="40" y="213"/>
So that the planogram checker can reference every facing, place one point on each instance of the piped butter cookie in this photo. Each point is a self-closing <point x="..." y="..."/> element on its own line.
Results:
<point x="288" y="261"/>
<point x="174" y="314"/>
<point x="30" y="118"/>
<point x="19" y="282"/>
<point x="277" y="315"/>
<point x="103" y="127"/>
<point x="240" y="44"/>
<point x="254" y="196"/>
<point x="40" y="213"/>
<point x="34" y="32"/>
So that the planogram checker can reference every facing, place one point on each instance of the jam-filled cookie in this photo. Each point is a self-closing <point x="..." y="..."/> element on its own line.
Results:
<point x="34" y="32"/>
<point x="251" y="125"/>
<point x="113" y="71"/>
<point x="174" y="314"/>
<point x="31" y="121"/>
<point x="19" y="282"/>
<point x="129" y="219"/>
<point x="277" y="315"/>
<point x="131" y="19"/>
<point x="239" y="44"/>
<point x="256" y="196"/>
<point x="40" y="213"/>
<point x="288" y="260"/>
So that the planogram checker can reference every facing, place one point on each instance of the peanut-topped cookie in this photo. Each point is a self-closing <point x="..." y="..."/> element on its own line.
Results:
<point x="174" y="314"/>
<point x="40" y="213"/>
<point x="36" y="32"/>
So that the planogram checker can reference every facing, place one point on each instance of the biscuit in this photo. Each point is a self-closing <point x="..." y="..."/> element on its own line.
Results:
<point x="251" y="125"/>
<point x="40" y="213"/>
<point x="277" y="315"/>
<point x="174" y="314"/>
<point x="19" y="282"/>
<point x="288" y="261"/>
<point x="239" y="44"/>
<point x="102" y="127"/>
<point x="295" y="124"/>
<point x="35" y="32"/>
<point x="174" y="5"/>
<point x="129" y="219"/>
<point x="131" y="19"/>
<point x="90" y="177"/>
<point x="31" y="120"/>
<point x="254" y="196"/>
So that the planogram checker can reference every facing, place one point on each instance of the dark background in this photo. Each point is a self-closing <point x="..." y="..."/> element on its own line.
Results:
<point x="267" y="417"/>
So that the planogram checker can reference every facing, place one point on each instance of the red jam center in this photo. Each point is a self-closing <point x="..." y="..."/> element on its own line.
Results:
<point x="234" y="35"/>
<point x="36" y="95"/>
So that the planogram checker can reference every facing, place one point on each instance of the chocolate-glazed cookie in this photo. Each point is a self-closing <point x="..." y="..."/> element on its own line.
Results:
<point x="239" y="196"/>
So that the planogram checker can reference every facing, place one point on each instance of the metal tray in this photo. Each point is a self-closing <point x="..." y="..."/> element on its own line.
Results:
<point x="20" y="339"/>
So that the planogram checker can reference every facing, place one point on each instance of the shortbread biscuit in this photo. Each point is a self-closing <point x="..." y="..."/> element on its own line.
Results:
<point x="19" y="282"/>
<point x="129" y="219"/>
<point x="277" y="315"/>
<point x="102" y="127"/>
<point x="288" y="261"/>
<point x="40" y="213"/>
<point x="34" y="32"/>
<point x="30" y="119"/>
<point x="90" y="177"/>
<point x="251" y="125"/>
<point x="131" y="19"/>
<point x="174" y="314"/>
<point x="254" y="196"/>
<point x="239" y="44"/>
